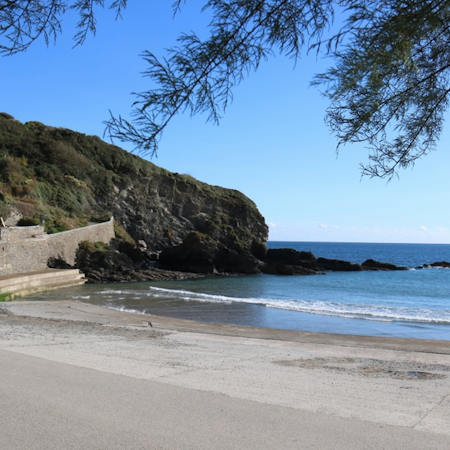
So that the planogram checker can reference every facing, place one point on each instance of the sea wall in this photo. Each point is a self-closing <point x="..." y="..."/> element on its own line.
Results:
<point x="17" y="233"/>
<point x="33" y="251"/>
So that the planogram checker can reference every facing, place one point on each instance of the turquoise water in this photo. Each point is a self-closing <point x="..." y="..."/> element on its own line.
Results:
<point x="413" y="303"/>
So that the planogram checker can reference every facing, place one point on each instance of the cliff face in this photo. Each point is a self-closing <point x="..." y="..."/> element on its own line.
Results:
<point x="70" y="179"/>
<point x="162" y="208"/>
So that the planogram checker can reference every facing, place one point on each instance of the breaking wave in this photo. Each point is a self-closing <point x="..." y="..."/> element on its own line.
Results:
<point x="378" y="313"/>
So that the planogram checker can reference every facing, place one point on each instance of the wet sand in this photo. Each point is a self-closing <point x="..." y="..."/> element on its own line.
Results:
<point x="76" y="375"/>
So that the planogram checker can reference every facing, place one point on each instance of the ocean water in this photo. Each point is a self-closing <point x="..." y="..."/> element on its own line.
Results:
<point x="413" y="303"/>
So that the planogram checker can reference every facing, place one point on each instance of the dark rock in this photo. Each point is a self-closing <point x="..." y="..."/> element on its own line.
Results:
<point x="196" y="254"/>
<point x="290" y="256"/>
<point x="441" y="264"/>
<point x="200" y="253"/>
<point x="114" y="265"/>
<point x="165" y="209"/>
<point x="136" y="254"/>
<point x="286" y="269"/>
<point x="58" y="263"/>
<point x="370" y="264"/>
<point x="162" y="208"/>
<point x="337" y="265"/>
<point x="287" y="261"/>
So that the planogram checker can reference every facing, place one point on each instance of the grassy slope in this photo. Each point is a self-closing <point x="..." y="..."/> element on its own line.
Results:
<point x="57" y="173"/>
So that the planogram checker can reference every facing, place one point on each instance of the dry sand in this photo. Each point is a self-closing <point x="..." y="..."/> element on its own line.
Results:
<point x="74" y="375"/>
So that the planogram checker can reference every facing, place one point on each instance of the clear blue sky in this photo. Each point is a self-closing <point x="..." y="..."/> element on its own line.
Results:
<point x="272" y="144"/>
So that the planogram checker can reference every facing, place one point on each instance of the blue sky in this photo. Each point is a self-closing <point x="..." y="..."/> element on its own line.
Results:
<point x="272" y="144"/>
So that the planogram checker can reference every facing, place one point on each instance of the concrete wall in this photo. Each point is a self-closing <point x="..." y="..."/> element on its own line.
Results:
<point x="32" y="253"/>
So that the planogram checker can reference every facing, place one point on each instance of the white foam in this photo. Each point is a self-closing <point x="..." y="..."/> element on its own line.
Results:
<point x="370" y="312"/>
<point x="345" y="310"/>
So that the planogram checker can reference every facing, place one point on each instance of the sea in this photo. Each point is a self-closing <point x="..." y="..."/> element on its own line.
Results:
<point x="411" y="304"/>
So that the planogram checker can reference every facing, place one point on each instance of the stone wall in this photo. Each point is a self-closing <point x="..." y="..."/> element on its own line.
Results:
<point x="17" y="233"/>
<point x="32" y="253"/>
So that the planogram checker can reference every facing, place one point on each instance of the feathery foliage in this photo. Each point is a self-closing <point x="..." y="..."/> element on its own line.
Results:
<point x="390" y="83"/>
<point x="24" y="21"/>
<point x="198" y="76"/>
<point x="388" y="87"/>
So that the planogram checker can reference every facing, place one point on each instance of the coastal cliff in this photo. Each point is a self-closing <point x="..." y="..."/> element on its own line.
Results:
<point x="167" y="225"/>
<point x="70" y="179"/>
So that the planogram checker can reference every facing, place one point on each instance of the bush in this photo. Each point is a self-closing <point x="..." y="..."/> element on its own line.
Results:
<point x="92" y="247"/>
<point x="27" y="222"/>
<point x="87" y="246"/>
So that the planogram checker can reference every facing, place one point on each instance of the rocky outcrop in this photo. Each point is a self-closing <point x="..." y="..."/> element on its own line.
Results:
<point x="286" y="261"/>
<point x="290" y="261"/>
<point x="441" y="264"/>
<point x="370" y="264"/>
<point x="337" y="265"/>
<point x="290" y="256"/>
<point x="195" y="227"/>
<point x="118" y="262"/>
<point x="274" y="268"/>
<point x="201" y="253"/>
<point x="162" y="209"/>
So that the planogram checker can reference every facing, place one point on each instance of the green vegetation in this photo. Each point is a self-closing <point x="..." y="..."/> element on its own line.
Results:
<point x="58" y="175"/>
<point x="55" y="173"/>
<point x="6" y="297"/>
<point x="92" y="247"/>
<point x="121" y="233"/>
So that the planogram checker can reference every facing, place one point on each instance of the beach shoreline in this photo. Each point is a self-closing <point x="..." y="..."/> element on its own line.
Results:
<point x="397" y="388"/>
<point x="77" y="311"/>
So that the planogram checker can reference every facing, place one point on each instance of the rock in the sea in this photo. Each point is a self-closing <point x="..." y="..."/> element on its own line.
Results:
<point x="275" y="268"/>
<point x="290" y="256"/>
<point x="370" y="264"/>
<point x="287" y="261"/>
<point x="336" y="265"/>
<point x="441" y="264"/>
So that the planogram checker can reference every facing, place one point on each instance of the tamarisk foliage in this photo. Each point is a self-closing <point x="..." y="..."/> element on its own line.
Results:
<point x="388" y="87"/>
<point x="390" y="83"/>
<point x="198" y="76"/>
<point x="24" y="21"/>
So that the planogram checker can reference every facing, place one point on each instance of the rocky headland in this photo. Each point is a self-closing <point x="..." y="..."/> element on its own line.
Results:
<point x="168" y="225"/>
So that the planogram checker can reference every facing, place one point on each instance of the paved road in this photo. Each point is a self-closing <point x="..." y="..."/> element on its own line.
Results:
<point x="50" y="405"/>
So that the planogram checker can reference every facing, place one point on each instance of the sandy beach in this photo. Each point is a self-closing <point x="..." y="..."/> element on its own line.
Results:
<point x="79" y="376"/>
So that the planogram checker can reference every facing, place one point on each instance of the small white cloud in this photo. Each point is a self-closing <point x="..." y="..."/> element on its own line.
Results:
<point x="322" y="226"/>
<point x="272" y="225"/>
<point x="422" y="228"/>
